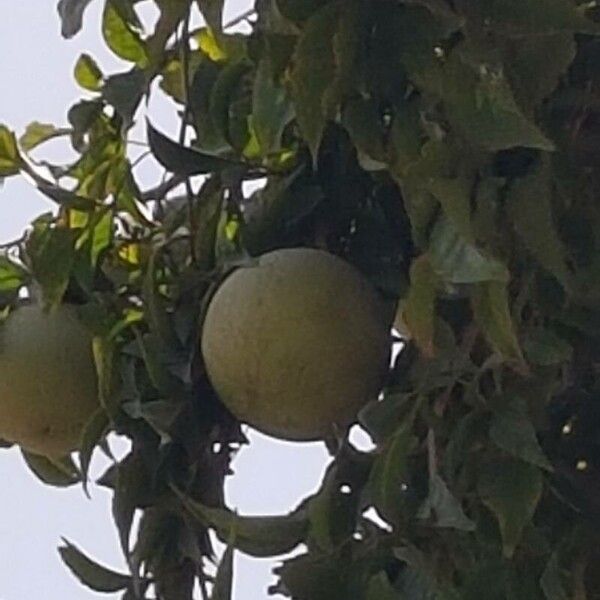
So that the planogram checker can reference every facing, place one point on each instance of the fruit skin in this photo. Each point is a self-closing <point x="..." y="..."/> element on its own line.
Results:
<point x="48" y="385"/>
<point x="297" y="344"/>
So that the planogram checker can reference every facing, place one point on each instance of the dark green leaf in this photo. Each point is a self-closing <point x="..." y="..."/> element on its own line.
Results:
<point x="59" y="472"/>
<point x="492" y="313"/>
<point x="87" y="73"/>
<point x="380" y="588"/>
<point x="536" y="17"/>
<point x="553" y="582"/>
<point x="543" y="347"/>
<point x="121" y="37"/>
<point x="443" y="509"/>
<point x="65" y="198"/>
<point x="458" y="261"/>
<point x="223" y="585"/>
<point x="10" y="159"/>
<point x="92" y="434"/>
<point x="124" y="91"/>
<point x="71" y="15"/>
<point x="313" y="73"/>
<point x="51" y="251"/>
<point x="363" y="121"/>
<point x="212" y="11"/>
<point x="530" y="208"/>
<point x="90" y="573"/>
<point x="388" y="479"/>
<point x="257" y="536"/>
<point x="271" y="108"/>
<point x="512" y="430"/>
<point x="511" y="489"/>
<point x="181" y="160"/>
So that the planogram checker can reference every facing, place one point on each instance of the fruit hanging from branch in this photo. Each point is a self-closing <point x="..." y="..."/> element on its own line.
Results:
<point x="47" y="379"/>
<point x="296" y="344"/>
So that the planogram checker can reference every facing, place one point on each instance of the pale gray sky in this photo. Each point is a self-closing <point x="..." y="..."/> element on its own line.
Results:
<point x="271" y="477"/>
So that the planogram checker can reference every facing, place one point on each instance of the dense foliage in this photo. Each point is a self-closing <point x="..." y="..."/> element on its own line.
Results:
<point x="449" y="150"/>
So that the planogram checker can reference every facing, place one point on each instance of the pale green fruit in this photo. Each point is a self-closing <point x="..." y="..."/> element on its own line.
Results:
<point x="296" y="344"/>
<point x="47" y="379"/>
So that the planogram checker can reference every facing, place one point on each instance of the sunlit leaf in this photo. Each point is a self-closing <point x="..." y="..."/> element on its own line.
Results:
<point x="10" y="159"/>
<point x="37" y="133"/>
<point x="87" y="73"/>
<point x="121" y="37"/>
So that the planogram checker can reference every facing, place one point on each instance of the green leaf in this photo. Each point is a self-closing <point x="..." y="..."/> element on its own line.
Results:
<point x="12" y="275"/>
<point x="121" y="37"/>
<point x="65" y="198"/>
<point x="529" y="205"/>
<point x="491" y="311"/>
<point x="457" y="261"/>
<point x="37" y="133"/>
<point x="535" y="65"/>
<point x="51" y="251"/>
<point x="380" y="588"/>
<point x="90" y="573"/>
<point x="419" y="309"/>
<point x="454" y="195"/>
<point x="10" y="159"/>
<point x="479" y="102"/>
<point x="511" y="490"/>
<point x="125" y="91"/>
<point x="71" y="15"/>
<point x="212" y="11"/>
<point x="363" y="121"/>
<point x="443" y="509"/>
<point x="543" y="347"/>
<point x="298" y="10"/>
<point x="388" y="479"/>
<point x="224" y="96"/>
<point x="182" y="160"/>
<point x="553" y="578"/>
<point x="257" y="536"/>
<point x="313" y="73"/>
<point x="93" y="432"/>
<point x="87" y="73"/>
<point x="58" y="472"/>
<point x="534" y="17"/>
<point x="512" y="431"/>
<point x="223" y="584"/>
<point x="271" y="108"/>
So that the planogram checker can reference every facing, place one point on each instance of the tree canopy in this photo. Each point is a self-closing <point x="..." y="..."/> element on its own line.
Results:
<point x="448" y="149"/>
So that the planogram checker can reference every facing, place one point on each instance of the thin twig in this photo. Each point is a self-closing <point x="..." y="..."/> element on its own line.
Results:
<point x="243" y="17"/>
<point x="161" y="190"/>
<point x="185" y="67"/>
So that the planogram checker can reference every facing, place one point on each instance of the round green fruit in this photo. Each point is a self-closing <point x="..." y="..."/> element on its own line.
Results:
<point x="297" y="344"/>
<point x="48" y="385"/>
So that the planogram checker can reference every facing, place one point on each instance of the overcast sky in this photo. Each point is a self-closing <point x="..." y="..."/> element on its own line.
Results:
<point x="36" y="84"/>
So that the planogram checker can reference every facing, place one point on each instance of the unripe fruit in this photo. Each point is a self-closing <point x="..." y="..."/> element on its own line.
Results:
<point x="296" y="344"/>
<point x="48" y="386"/>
